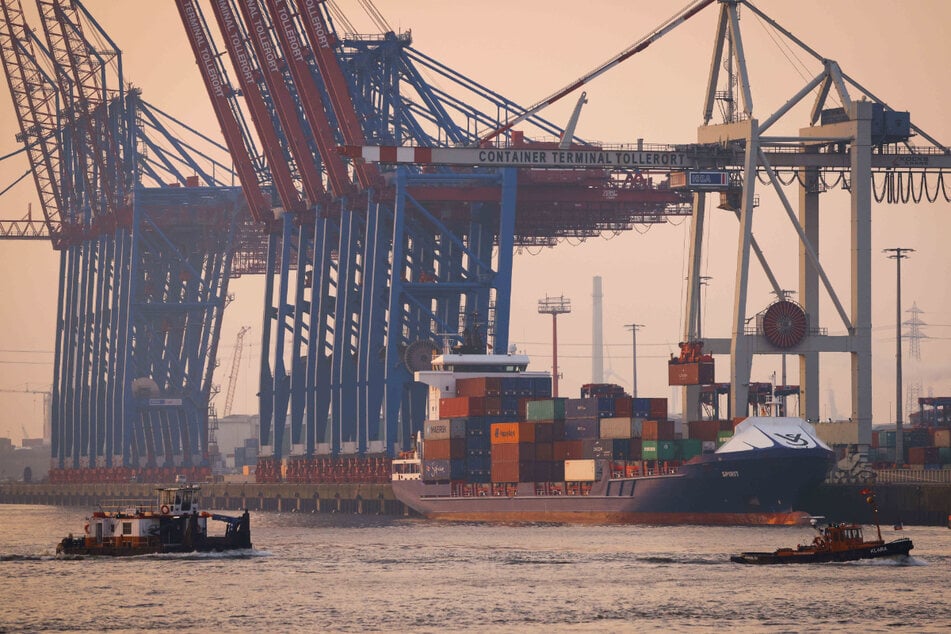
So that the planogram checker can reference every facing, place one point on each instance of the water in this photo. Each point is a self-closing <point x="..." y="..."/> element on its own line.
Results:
<point x="373" y="573"/>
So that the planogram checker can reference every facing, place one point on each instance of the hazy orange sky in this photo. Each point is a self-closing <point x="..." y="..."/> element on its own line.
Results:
<point x="526" y="50"/>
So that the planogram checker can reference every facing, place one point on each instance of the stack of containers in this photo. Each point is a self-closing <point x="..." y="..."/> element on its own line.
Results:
<point x="658" y="441"/>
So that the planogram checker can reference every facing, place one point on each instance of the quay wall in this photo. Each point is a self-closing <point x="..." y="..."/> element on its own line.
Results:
<point x="926" y="504"/>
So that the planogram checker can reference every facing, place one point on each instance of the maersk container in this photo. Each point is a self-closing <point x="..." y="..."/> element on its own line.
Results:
<point x="443" y="470"/>
<point x="444" y="429"/>
<point x="580" y="470"/>
<point x="618" y="427"/>
<point x="546" y="409"/>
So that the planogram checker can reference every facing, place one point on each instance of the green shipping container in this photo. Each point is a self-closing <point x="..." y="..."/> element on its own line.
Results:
<point x="660" y="450"/>
<point x="690" y="447"/>
<point x="944" y="455"/>
<point x="547" y="409"/>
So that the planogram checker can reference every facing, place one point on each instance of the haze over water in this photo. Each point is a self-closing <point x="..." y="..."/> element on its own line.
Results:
<point x="373" y="573"/>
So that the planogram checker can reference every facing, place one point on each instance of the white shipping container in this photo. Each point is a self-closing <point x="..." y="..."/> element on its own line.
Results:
<point x="612" y="428"/>
<point x="579" y="470"/>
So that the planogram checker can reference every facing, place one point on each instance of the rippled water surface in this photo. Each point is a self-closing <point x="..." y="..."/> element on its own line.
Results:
<point x="372" y="573"/>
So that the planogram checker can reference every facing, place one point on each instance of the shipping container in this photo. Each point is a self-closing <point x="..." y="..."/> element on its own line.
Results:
<point x="541" y="387"/>
<point x="581" y="428"/>
<point x="479" y="386"/>
<point x="479" y="476"/>
<point x="513" y="471"/>
<point x="513" y="452"/>
<point x="605" y="406"/>
<point x="641" y="408"/>
<point x="597" y="449"/>
<point x="514" y="432"/>
<point x="723" y="436"/>
<point x="658" y="408"/>
<point x="475" y="425"/>
<point x="635" y="449"/>
<point x="660" y="450"/>
<point x="510" y="406"/>
<point x="624" y="406"/>
<point x="690" y="448"/>
<point x="448" y="449"/>
<point x="703" y="429"/>
<point x="478" y="463"/>
<point x="923" y="455"/>
<point x="692" y="373"/>
<point x="658" y="430"/>
<point x="478" y="445"/>
<point x="637" y="427"/>
<point x="548" y="409"/>
<point x="543" y="452"/>
<point x="944" y="455"/>
<point x="557" y="471"/>
<point x="444" y="429"/>
<point x="621" y="448"/>
<point x="580" y="470"/>
<point x="461" y="406"/>
<point x="518" y="386"/>
<point x="615" y="428"/>
<point x="567" y="450"/>
<point x="493" y="405"/>
<point x="581" y="408"/>
<point x="443" y="470"/>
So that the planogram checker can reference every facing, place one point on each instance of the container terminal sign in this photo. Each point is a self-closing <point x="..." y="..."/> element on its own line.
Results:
<point x="519" y="157"/>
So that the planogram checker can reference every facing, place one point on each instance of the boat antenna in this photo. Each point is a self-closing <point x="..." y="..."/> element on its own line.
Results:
<point x="870" y="498"/>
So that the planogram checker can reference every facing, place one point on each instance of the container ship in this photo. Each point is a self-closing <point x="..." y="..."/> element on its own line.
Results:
<point x="498" y="448"/>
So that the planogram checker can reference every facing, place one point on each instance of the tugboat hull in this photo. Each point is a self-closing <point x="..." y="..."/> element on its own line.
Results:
<point x="897" y="548"/>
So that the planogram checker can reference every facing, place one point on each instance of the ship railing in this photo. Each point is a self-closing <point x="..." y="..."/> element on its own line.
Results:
<point x="130" y="505"/>
<point x="896" y="476"/>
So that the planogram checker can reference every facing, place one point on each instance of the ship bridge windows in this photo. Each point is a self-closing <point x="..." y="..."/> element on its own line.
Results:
<point x="126" y="528"/>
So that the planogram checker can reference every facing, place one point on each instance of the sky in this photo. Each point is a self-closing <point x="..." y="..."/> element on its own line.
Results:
<point x="526" y="51"/>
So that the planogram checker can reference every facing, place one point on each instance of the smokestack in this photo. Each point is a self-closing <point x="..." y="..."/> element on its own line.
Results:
<point x="597" y="328"/>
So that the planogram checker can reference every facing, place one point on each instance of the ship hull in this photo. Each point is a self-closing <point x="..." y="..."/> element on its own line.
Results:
<point x="898" y="548"/>
<point x="760" y="487"/>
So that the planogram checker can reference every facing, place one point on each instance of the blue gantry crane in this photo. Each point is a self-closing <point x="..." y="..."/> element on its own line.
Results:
<point x="146" y="231"/>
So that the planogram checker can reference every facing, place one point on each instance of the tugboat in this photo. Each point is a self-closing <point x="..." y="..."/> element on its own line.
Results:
<point x="174" y="525"/>
<point x="835" y="542"/>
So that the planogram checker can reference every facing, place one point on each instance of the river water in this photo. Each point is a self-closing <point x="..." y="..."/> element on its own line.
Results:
<point x="323" y="573"/>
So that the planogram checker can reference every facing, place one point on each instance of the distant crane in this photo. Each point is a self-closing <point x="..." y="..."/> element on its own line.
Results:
<point x="235" y="365"/>
<point x="47" y="400"/>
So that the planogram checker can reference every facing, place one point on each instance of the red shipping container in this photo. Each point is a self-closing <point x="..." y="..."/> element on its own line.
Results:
<point x="493" y="405"/>
<point x="512" y="432"/>
<point x="543" y="451"/>
<point x="658" y="430"/>
<point x="479" y="386"/>
<point x="567" y="450"/>
<point x="703" y="429"/>
<point x="636" y="449"/>
<point x="513" y="452"/>
<point x="449" y="449"/>
<point x="658" y="408"/>
<point x="461" y="407"/>
<point x="624" y="407"/>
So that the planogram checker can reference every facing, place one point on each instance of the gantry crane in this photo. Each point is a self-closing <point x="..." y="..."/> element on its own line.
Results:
<point x="145" y="231"/>
<point x="235" y="368"/>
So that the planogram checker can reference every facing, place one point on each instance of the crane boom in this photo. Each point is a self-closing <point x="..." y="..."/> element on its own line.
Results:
<point x="235" y="367"/>
<point x="635" y="48"/>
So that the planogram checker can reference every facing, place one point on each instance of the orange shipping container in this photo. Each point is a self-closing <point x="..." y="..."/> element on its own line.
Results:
<point x="512" y="433"/>
<point x="461" y="407"/>
<point x="658" y="430"/>
<point x="703" y="429"/>
<point x="479" y="386"/>
<point x="567" y="450"/>
<point x="448" y="449"/>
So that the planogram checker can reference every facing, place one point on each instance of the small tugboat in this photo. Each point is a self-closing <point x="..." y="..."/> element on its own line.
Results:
<point x="174" y="525"/>
<point x="835" y="542"/>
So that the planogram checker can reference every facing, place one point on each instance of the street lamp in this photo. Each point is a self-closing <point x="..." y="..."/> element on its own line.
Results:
<point x="633" y="328"/>
<point x="898" y="254"/>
